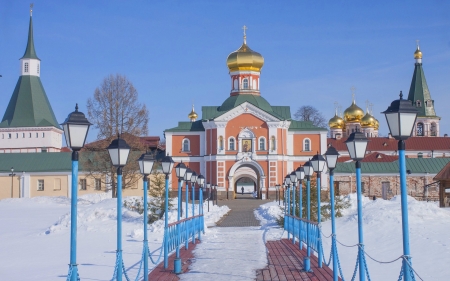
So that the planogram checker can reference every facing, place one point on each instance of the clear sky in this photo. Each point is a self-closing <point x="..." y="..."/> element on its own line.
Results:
<point x="175" y="52"/>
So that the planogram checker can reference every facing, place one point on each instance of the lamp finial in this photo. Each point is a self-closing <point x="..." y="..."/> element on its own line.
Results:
<point x="76" y="107"/>
<point x="401" y="95"/>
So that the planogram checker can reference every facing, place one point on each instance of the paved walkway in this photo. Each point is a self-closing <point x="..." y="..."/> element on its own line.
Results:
<point x="286" y="263"/>
<point x="241" y="213"/>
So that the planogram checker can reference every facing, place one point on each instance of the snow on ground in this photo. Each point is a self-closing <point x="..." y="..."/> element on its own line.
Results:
<point x="35" y="237"/>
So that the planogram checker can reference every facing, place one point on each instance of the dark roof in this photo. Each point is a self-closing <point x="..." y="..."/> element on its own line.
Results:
<point x="415" y="165"/>
<point x="419" y="91"/>
<point x="30" y="52"/>
<point x="196" y="126"/>
<point x="29" y="105"/>
<point x="372" y="157"/>
<point x="444" y="174"/>
<point x="304" y="126"/>
<point x="36" y="162"/>
<point x="390" y="144"/>
<point x="233" y="101"/>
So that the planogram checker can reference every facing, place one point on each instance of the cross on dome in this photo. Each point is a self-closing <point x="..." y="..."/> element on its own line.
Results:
<point x="245" y="35"/>
<point x="353" y="89"/>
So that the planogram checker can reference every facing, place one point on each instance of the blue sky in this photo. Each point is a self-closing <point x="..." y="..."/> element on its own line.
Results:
<point x="175" y="52"/>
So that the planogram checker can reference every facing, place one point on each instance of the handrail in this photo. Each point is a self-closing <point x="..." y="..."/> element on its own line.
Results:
<point x="185" y="219"/>
<point x="302" y="219"/>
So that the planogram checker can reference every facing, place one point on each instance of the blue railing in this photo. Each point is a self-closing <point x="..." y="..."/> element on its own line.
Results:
<point x="298" y="227"/>
<point x="187" y="229"/>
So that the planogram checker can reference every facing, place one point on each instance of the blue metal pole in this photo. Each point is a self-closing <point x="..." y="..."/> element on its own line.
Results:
<point x="166" y="224"/>
<point x="362" y="275"/>
<point x="73" y="218"/>
<point x="293" y="212"/>
<point x="193" y="212"/>
<point x="319" y="219"/>
<point x="288" y="209"/>
<point x="119" y="225"/>
<point x="306" y="260"/>
<point x="404" y="202"/>
<point x="285" y="207"/>
<point x="333" y="227"/>
<point x="145" y="228"/>
<point x="186" y="243"/>
<point x="177" y="260"/>
<point x="200" y="211"/>
<point x="300" y="215"/>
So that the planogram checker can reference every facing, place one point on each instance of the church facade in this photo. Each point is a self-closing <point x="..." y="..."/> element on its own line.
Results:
<point x="245" y="139"/>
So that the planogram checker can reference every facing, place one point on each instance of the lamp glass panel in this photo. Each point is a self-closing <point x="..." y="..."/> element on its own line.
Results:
<point x="351" y="149"/>
<point x="123" y="156"/>
<point x="77" y="135"/>
<point x="165" y="167"/>
<point x="66" y="134"/>
<point x="188" y="175"/>
<point x="114" y="155"/>
<point x="322" y="165"/>
<point x="194" y="177"/>
<point x="393" y="123"/>
<point x="141" y="167"/>
<point x="331" y="161"/>
<point x="287" y="180"/>
<point x="360" y="148"/>
<point x="407" y="123"/>
<point x="308" y="170"/>
<point x="148" y="166"/>
<point x="293" y="177"/>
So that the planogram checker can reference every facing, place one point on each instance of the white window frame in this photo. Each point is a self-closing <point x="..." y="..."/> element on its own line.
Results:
<point x="25" y="67"/>
<point x="309" y="144"/>
<point x="98" y="184"/>
<point x="259" y="143"/>
<point x="229" y="143"/>
<point x="83" y="184"/>
<point x="38" y="68"/>
<point x="243" y="83"/>
<point x="188" y="145"/>
<point x="40" y="185"/>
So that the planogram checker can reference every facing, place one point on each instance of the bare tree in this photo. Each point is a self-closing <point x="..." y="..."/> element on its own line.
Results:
<point x="115" y="108"/>
<point x="310" y="113"/>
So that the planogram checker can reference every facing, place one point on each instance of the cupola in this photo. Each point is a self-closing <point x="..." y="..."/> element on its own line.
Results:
<point x="353" y="113"/>
<point x="336" y="122"/>
<point x="245" y="58"/>
<point x="193" y="115"/>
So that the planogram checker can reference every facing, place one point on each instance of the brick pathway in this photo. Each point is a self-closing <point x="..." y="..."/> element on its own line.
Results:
<point x="286" y="263"/>
<point x="161" y="274"/>
<point x="241" y="213"/>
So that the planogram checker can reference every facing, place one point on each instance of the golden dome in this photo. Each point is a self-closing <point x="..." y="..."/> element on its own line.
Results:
<point x="336" y="122"/>
<point x="377" y="124"/>
<point x="418" y="53"/>
<point x="193" y="115"/>
<point x="245" y="58"/>
<point x="353" y="114"/>
<point x="368" y="121"/>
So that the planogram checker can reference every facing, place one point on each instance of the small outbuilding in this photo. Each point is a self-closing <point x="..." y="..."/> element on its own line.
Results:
<point x="444" y="186"/>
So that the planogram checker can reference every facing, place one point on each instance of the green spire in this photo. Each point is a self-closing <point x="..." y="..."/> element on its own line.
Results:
<point x="30" y="52"/>
<point x="419" y="94"/>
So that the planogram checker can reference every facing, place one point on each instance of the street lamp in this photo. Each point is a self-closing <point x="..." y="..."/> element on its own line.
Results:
<point x="187" y="179"/>
<point x="146" y="162"/>
<point x="193" y="181"/>
<point x="167" y="166"/>
<point x="200" y="182"/>
<point x="331" y="157"/>
<point x="356" y="146"/>
<point x="401" y="117"/>
<point x="12" y="181"/>
<point x="180" y="170"/>
<point x="293" y="179"/>
<point x="308" y="169"/>
<point x="277" y="188"/>
<point x="118" y="152"/>
<point x="318" y="163"/>
<point x="300" y="172"/>
<point x="76" y="128"/>
<point x="208" y="186"/>
<point x="215" y="187"/>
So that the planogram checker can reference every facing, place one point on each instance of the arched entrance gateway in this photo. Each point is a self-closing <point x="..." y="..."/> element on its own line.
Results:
<point x="247" y="171"/>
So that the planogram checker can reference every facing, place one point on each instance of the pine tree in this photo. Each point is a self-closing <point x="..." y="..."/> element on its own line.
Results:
<point x="157" y="193"/>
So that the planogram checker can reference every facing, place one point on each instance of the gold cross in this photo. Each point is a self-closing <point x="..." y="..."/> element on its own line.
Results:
<point x="417" y="42"/>
<point x="244" y="28"/>
<point x="367" y="106"/>
<point x="353" y="89"/>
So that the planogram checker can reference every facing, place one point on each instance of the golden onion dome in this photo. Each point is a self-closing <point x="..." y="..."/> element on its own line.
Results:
<point x="377" y="124"/>
<point x="353" y="114"/>
<point x="245" y="58"/>
<point x="418" y="53"/>
<point x="368" y="121"/>
<point x="336" y="122"/>
<point x="193" y="115"/>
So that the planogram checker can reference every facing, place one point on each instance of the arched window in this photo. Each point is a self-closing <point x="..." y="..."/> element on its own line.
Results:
<point x="25" y="68"/>
<point x="186" y="145"/>
<point x="245" y="83"/>
<point x="418" y="103"/>
<point x="429" y="103"/>
<point x="273" y="143"/>
<point x="306" y="145"/>
<point x="433" y="130"/>
<point x="262" y="143"/>
<point x="420" y="129"/>
<point x="220" y="143"/>
<point x="38" y="68"/>
<point x="231" y="144"/>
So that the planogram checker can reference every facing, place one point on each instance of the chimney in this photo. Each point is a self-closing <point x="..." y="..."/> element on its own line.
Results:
<point x="445" y="135"/>
<point x="338" y="136"/>
<point x="390" y="136"/>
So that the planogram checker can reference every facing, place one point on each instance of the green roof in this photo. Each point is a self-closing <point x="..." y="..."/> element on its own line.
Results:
<point x="29" y="105"/>
<point x="187" y="127"/>
<point x="304" y="126"/>
<point x="30" y="52"/>
<point x="283" y="111"/>
<point x="234" y="101"/>
<point x="419" y="92"/>
<point x="36" y="162"/>
<point x="415" y="165"/>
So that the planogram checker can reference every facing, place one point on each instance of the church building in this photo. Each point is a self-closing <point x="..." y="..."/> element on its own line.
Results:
<point x="29" y="124"/>
<point x="245" y="139"/>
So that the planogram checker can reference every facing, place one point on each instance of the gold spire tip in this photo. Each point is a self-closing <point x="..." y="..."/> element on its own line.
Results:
<point x="245" y="34"/>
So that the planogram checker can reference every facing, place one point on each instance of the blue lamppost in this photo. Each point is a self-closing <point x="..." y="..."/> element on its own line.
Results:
<point x="76" y="128"/>
<point x="300" y="172"/>
<point x="208" y="186"/>
<point x="167" y="166"/>
<point x="215" y="192"/>
<point x="277" y="198"/>
<point x="180" y="170"/>
<point x="200" y="182"/>
<point x="318" y="163"/>
<point x="287" y="209"/>
<point x="187" y="179"/>
<point x="118" y="152"/>
<point x="293" y="178"/>
<point x="193" y="181"/>
<point x="356" y="146"/>
<point x="331" y="156"/>
<point x="401" y="117"/>
<point x="308" y="168"/>
<point x="146" y="162"/>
